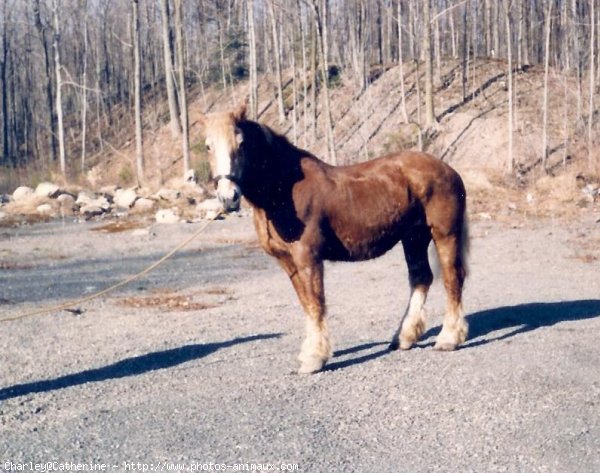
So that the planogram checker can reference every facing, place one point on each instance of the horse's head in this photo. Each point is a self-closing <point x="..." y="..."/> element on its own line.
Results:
<point x="223" y="142"/>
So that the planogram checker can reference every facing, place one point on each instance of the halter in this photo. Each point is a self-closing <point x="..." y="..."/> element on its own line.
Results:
<point x="230" y="177"/>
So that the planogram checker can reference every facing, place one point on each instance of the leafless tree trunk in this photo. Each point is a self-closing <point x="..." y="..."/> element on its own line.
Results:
<point x="252" y="60"/>
<point x="57" y="67"/>
<point x="84" y="104"/>
<point x="545" y="106"/>
<point x="277" y="56"/>
<point x="320" y="12"/>
<point x="430" y="118"/>
<point x="168" y="59"/>
<point x="139" y="148"/>
<point x="507" y="21"/>
<point x="401" y="65"/>
<point x="6" y="152"/>
<point x="592" y="87"/>
<point x="179" y="41"/>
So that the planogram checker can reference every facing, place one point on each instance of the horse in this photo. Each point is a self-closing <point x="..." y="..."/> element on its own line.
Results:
<point x="306" y="212"/>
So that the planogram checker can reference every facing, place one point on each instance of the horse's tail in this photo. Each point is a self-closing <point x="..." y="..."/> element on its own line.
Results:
<point x="464" y="247"/>
<point x="464" y="244"/>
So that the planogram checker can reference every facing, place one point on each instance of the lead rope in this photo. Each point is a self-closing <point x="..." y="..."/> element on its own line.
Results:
<point x="130" y="279"/>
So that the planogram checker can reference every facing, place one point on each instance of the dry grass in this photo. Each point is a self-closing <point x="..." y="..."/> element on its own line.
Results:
<point x="13" y="265"/>
<point x="120" y="226"/>
<point x="166" y="301"/>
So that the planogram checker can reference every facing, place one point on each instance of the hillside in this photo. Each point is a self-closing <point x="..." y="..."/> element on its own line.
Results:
<point x="472" y="134"/>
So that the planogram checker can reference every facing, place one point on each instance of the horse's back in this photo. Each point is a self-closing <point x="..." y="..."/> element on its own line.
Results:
<point x="368" y="207"/>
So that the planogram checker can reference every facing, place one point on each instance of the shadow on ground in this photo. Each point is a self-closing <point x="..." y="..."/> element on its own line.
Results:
<point x="484" y="327"/>
<point x="129" y="367"/>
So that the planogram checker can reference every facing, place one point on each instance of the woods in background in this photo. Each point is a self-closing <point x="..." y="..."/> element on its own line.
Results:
<point x="76" y="75"/>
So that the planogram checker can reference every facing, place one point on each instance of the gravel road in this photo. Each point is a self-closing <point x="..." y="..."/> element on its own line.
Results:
<point x="193" y="366"/>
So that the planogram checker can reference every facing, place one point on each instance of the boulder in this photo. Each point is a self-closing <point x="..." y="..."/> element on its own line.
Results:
<point x="4" y="199"/>
<point x="47" y="189"/>
<point x="3" y="215"/>
<point x="91" y="210"/>
<point x="190" y="176"/>
<point x="22" y="193"/>
<point x="166" y="216"/>
<point x="143" y="205"/>
<point x="169" y="195"/>
<point x="66" y="204"/>
<point x="85" y="197"/>
<point x="209" y="209"/>
<point x="45" y="209"/>
<point x="124" y="198"/>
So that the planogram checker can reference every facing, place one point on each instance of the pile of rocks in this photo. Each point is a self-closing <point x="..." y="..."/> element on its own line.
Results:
<point x="183" y="201"/>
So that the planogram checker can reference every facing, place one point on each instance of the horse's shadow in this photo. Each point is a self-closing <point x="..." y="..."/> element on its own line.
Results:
<point x="488" y="326"/>
<point x="128" y="367"/>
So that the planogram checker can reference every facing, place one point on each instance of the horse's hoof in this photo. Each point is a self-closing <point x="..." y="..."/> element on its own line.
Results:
<point x="406" y="345"/>
<point x="312" y="365"/>
<point x="444" y="346"/>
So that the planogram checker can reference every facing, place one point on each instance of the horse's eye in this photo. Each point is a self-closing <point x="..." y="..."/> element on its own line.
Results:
<point x="207" y="147"/>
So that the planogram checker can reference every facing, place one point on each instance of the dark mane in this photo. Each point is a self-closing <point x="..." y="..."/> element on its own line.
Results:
<point x="272" y="163"/>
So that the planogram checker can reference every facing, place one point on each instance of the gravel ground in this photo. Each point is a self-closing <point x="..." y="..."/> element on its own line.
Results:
<point x="195" y="363"/>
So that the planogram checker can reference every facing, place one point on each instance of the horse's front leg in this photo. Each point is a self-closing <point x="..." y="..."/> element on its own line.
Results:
<point x="307" y="279"/>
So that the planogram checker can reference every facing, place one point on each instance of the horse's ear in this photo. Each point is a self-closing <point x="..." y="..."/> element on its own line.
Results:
<point x="240" y="112"/>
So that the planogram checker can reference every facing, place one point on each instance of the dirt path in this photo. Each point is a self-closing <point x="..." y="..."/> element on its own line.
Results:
<point x="194" y="364"/>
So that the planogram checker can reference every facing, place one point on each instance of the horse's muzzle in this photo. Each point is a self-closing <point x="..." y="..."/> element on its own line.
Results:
<point x="229" y="194"/>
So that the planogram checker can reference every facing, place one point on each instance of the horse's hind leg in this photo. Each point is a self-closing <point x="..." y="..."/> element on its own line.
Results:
<point x="455" y="328"/>
<point x="412" y="324"/>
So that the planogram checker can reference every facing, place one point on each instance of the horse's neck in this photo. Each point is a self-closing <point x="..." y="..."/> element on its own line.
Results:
<point x="277" y="164"/>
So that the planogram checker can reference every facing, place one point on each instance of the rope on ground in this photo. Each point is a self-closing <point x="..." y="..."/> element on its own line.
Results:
<point x="103" y="292"/>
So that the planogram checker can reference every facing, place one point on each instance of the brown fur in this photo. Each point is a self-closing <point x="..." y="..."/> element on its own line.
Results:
<point x="306" y="211"/>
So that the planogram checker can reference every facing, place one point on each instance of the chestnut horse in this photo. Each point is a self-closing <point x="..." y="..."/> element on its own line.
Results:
<point x="306" y="211"/>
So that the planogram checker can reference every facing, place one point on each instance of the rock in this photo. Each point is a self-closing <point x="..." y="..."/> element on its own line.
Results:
<point x="166" y="216"/>
<point x="209" y="209"/>
<point x="22" y="193"/>
<point x="85" y="197"/>
<point x="190" y="176"/>
<point x="210" y="204"/>
<point x="45" y="209"/>
<point x="109" y="190"/>
<point x="140" y="232"/>
<point x="66" y="203"/>
<point x="47" y="189"/>
<point x="169" y="195"/>
<point x="143" y="205"/>
<point x="124" y="198"/>
<point x="4" y="199"/>
<point x="91" y="210"/>
<point x="3" y="215"/>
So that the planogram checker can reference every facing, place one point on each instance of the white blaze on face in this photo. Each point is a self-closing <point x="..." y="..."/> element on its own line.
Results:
<point x="222" y="154"/>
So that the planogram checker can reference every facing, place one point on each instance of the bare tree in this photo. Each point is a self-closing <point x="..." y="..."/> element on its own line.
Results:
<point x="139" y="146"/>
<point x="430" y="118"/>
<point x="320" y="12"/>
<point x="277" y="57"/>
<point x="180" y="40"/>
<point x="510" y="161"/>
<point x="592" y="87"/>
<point x="401" y="65"/>
<point x="545" y="106"/>
<point x="57" y="70"/>
<point x="168" y="60"/>
<point x="252" y="60"/>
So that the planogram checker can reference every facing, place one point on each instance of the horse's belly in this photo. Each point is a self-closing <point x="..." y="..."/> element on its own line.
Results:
<point x="363" y="245"/>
